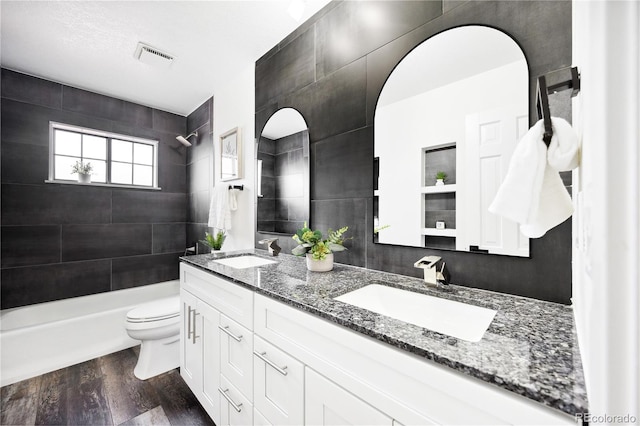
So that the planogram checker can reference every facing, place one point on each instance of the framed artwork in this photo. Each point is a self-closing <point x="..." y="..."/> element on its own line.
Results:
<point x="230" y="154"/>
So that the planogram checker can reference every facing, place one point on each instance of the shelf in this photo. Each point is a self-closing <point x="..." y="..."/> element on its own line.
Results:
<point x="433" y="232"/>
<point x="440" y="189"/>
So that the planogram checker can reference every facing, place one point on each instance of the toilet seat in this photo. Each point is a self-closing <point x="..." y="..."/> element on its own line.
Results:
<point x="156" y="311"/>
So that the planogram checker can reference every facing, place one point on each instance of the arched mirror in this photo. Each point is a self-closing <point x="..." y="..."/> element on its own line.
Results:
<point x="454" y="108"/>
<point x="283" y="173"/>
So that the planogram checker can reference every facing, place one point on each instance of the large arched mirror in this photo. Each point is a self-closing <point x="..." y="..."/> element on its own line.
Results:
<point x="454" y="108"/>
<point x="283" y="173"/>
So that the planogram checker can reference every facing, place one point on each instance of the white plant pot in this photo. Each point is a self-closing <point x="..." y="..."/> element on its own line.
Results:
<point x="84" y="178"/>
<point x="324" y="265"/>
<point x="439" y="182"/>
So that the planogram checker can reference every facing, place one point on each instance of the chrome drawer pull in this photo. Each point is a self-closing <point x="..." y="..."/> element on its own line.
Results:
<point x="233" y="336"/>
<point x="237" y="407"/>
<point x="280" y="370"/>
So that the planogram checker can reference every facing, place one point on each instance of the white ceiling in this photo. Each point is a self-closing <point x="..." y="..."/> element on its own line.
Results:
<point x="91" y="44"/>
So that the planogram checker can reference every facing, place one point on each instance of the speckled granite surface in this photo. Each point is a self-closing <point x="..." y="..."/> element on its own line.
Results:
<point x="530" y="347"/>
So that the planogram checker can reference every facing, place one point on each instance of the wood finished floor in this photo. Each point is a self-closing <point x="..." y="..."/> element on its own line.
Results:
<point x="102" y="391"/>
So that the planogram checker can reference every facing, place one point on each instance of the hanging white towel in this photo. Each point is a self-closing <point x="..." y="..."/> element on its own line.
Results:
<point x="517" y="198"/>
<point x="233" y="199"/>
<point x="564" y="150"/>
<point x="219" y="209"/>
<point x="533" y="193"/>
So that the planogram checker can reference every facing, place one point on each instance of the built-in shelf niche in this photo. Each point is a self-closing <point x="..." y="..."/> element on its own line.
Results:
<point x="439" y="201"/>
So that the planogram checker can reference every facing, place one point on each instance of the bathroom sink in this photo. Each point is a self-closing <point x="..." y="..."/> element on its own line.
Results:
<point x="242" y="262"/>
<point x="456" y="319"/>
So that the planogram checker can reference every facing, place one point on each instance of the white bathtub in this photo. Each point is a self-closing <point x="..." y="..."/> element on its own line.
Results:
<point x="48" y="336"/>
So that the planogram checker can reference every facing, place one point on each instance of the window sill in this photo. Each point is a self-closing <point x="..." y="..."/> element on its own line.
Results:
<point x="108" y="185"/>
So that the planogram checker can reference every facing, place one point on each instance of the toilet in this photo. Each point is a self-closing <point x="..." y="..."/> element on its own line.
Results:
<point x="157" y="325"/>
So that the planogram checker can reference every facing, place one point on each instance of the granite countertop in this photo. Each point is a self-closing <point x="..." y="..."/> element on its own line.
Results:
<point x="530" y="348"/>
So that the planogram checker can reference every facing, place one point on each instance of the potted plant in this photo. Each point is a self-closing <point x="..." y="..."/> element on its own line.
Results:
<point x="83" y="170"/>
<point x="440" y="177"/>
<point x="318" y="251"/>
<point x="214" y="243"/>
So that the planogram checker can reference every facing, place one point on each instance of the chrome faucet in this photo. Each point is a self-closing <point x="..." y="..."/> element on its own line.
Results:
<point x="272" y="245"/>
<point x="432" y="276"/>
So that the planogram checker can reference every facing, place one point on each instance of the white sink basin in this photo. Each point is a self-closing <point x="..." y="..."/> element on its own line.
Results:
<point x="242" y="262"/>
<point x="456" y="319"/>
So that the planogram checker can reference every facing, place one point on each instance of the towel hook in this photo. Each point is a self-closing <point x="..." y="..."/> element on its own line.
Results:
<point x="559" y="83"/>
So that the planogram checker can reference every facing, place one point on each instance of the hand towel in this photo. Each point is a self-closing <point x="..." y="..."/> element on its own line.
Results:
<point x="219" y="209"/>
<point x="233" y="199"/>
<point x="518" y="195"/>
<point x="533" y="193"/>
<point x="554" y="204"/>
<point x="564" y="149"/>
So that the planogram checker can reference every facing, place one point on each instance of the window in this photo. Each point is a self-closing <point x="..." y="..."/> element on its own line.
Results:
<point x="115" y="159"/>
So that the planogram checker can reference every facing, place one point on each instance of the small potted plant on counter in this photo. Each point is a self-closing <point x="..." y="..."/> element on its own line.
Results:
<point x="214" y="243"/>
<point x="318" y="251"/>
<point x="83" y="170"/>
<point x="440" y="177"/>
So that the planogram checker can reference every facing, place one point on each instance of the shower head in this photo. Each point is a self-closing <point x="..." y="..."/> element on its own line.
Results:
<point x="184" y="140"/>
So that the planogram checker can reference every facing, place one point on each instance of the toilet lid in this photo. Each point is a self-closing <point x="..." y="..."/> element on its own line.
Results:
<point x="160" y="309"/>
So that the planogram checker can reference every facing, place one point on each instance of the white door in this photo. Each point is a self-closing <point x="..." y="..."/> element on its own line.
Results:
<point x="328" y="404"/>
<point x="491" y="137"/>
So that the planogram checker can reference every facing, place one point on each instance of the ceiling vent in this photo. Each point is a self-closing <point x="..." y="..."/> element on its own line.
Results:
<point x="152" y="56"/>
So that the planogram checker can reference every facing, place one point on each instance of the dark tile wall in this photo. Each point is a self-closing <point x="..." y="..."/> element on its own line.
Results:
<point x="332" y="70"/>
<point x="61" y="241"/>
<point x="284" y="205"/>
<point x="200" y="173"/>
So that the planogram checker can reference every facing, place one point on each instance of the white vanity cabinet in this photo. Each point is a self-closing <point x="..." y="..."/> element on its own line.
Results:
<point x="216" y="356"/>
<point x="266" y="363"/>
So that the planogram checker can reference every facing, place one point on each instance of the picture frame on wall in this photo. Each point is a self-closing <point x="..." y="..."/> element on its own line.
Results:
<point x="230" y="155"/>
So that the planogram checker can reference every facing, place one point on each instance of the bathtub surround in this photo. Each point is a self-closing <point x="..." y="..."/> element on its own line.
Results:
<point x="200" y="173"/>
<point x="332" y="70"/>
<point x="61" y="241"/>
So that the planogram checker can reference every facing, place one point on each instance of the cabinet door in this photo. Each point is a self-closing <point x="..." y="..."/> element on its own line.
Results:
<point x="236" y="355"/>
<point x="235" y="408"/>
<point x="278" y="384"/>
<point x="210" y="333"/>
<point x="190" y="348"/>
<point x="328" y="404"/>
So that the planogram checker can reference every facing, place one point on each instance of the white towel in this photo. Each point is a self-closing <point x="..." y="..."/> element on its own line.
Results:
<point x="219" y="209"/>
<point x="532" y="193"/>
<point x="564" y="150"/>
<point x="517" y="197"/>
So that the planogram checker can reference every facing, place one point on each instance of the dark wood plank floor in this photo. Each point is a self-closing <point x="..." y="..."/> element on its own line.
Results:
<point x="102" y="391"/>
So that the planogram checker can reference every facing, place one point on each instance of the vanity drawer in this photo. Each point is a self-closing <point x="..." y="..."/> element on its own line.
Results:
<point x="279" y="384"/>
<point x="236" y="355"/>
<point x="234" y="301"/>
<point x="235" y="408"/>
